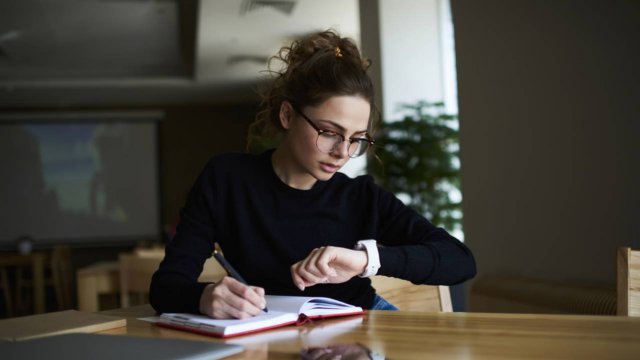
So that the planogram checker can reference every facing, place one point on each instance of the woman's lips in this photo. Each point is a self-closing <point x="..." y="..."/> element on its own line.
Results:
<point x="330" y="168"/>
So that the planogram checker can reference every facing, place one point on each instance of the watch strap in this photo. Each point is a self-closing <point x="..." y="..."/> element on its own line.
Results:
<point x="373" y="257"/>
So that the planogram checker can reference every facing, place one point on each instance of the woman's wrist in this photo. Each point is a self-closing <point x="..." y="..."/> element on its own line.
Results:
<point x="206" y="299"/>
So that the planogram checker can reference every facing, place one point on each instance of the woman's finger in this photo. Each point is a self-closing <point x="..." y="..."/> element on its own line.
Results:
<point x="233" y="299"/>
<point x="310" y="264"/>
<point x="323" y="261"/>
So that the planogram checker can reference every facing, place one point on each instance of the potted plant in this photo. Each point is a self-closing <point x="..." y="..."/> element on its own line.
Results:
<point x="417" y="158"/>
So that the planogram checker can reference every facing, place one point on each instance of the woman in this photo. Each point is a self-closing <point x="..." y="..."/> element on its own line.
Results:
<point x="287" y="220"/>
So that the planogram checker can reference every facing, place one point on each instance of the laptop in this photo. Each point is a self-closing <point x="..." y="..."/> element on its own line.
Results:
<point x="95" y="346"/>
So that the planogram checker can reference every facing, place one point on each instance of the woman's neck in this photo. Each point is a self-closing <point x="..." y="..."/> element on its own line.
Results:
<point x="289" y="171"/>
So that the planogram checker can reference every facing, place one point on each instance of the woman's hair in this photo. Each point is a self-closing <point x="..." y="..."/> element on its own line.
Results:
<point x="314" y="68"/>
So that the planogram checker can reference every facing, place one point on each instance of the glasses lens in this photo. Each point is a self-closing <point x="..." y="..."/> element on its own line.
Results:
<point x="327" y="142"/>
<point x="358" y="148"/>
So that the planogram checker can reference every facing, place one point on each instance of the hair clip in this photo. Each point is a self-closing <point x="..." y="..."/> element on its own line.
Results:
<point x="338" y="52"/>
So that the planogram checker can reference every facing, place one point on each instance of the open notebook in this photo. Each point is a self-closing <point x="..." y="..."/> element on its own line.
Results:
<point x="283" y="310"/>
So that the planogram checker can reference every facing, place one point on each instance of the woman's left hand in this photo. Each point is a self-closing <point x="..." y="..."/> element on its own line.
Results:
<point x="328" y="265"/>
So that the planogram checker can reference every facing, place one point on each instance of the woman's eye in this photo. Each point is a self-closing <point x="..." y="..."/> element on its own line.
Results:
<point x="329" y="133"/>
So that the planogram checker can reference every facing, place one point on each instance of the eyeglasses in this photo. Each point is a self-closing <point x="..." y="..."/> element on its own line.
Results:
<point x="328" y="140"/>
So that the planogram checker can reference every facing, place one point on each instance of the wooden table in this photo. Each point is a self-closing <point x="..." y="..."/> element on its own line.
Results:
<point x="416" y="335"/>
<point x="36" y="260"/>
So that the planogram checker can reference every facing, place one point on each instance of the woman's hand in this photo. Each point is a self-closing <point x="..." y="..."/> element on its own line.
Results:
<point x="328" y="264"/>
<point x="231" y="299"/>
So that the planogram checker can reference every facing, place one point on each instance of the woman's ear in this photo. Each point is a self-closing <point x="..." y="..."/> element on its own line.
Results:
<point x="286" y="114"/>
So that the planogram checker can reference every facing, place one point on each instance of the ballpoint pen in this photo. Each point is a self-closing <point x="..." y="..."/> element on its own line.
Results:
<point x="231" y="271"/>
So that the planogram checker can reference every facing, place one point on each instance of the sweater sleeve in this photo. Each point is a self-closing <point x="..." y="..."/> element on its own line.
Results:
<point x="175" y="286"/>
<point x="414" y="249"/>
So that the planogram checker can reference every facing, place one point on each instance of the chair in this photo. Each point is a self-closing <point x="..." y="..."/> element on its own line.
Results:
<point x="409" y="297"/>
<point x="628" y="282"/>
<point x="96" y="281"/>
<point x="137" y="268"/>
<point x="61" y="276"/>
<point x="135" y="277"/>
<point x="57" y="275"/>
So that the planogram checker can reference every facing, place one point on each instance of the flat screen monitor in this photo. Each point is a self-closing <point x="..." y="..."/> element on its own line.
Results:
<point x="79" y="178"/>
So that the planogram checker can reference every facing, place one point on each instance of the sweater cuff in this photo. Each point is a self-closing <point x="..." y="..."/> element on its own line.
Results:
<point x="392" y="261"/>
<point x="194" y="294"/>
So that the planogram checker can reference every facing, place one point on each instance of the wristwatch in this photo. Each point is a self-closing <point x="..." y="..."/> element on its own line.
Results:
<point x="373" y="263"/>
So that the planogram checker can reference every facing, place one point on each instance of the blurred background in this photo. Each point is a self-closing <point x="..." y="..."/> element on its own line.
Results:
<point x="110" y="108"/>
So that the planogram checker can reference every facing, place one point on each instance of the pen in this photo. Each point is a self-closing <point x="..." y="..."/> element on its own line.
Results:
<point x="231" y="271"/>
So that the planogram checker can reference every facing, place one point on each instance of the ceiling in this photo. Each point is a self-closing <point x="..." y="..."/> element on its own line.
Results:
<point x="107" y="52"/>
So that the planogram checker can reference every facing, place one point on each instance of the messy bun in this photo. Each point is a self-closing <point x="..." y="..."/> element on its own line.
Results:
<point x="313" y="69"/>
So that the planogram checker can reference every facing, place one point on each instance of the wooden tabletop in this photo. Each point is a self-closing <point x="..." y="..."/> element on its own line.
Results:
<point x="416" y="335"/>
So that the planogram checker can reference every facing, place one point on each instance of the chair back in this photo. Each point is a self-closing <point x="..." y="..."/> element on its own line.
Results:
<point x="137" y="268"/>
<point x="409" y="297"/>
<point x="628" y="282"/>
<point x="135" y="276"/>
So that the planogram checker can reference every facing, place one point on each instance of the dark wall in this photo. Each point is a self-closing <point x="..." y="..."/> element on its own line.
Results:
<point x="189" y="136"/>
<point x="549" y="95"/>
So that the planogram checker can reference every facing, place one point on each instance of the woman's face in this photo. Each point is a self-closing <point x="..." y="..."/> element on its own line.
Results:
<point x="344" y="115"/>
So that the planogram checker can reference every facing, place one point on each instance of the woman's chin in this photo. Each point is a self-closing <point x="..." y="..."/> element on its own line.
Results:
<point x="323" y="176"/>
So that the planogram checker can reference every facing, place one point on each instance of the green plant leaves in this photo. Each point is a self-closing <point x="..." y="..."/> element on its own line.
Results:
<point x="418" y="155"/>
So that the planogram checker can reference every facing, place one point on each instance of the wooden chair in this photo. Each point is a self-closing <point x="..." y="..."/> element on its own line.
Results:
<point x="137" y="268"/>
<point x="61" y="276"/>
<point x="135" y="277"/>
<point x="96" y="281"/>
<point x="57" y="275"/>
<point x="628" y="282"/>
<point x="409" y="297"/>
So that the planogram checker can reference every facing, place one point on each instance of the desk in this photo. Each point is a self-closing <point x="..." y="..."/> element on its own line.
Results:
<point x="36" y="260"/>
<point x="421" y="335"/>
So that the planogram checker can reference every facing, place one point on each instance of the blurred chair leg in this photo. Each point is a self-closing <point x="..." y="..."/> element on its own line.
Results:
<point x="61" y="274"/>
<point x="4" y="277"/>
<point x="20" y="285"/>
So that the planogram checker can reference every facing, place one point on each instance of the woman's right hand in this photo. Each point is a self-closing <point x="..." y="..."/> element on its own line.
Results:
<point x="231" y="299"/>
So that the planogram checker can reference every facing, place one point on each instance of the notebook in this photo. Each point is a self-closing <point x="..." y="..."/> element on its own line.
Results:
<point x="56" y="323"/>
<point x="98" y="347"/>
<point x="283" y="310"/>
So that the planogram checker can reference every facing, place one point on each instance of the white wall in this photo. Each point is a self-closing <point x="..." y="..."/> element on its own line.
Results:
<point x="549" y="102"/>
<point x="410" y="53"/>
<point x="402" y="38"/>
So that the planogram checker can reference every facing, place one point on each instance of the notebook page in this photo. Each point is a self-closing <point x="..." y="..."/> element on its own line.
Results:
<point x="309" y="306"/>
<point x="286" y="303"/>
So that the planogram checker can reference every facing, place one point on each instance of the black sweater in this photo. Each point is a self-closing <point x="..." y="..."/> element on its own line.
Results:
<point x="264" y="226"/>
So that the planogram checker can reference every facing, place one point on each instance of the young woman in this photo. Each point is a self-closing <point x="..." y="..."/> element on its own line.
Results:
<point x="287" y="220"/>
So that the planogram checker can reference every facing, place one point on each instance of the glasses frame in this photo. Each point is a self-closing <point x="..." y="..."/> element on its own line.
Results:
<point x="323" y="131"/>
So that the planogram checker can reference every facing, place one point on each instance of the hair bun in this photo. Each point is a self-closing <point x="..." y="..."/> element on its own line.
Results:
<point x="315" y="68"/>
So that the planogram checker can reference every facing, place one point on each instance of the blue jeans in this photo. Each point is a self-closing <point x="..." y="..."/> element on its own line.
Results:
<point x="379" y="303"/>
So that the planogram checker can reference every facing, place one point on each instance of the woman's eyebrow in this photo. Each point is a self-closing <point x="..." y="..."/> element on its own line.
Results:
<point x="340" y="127"/>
